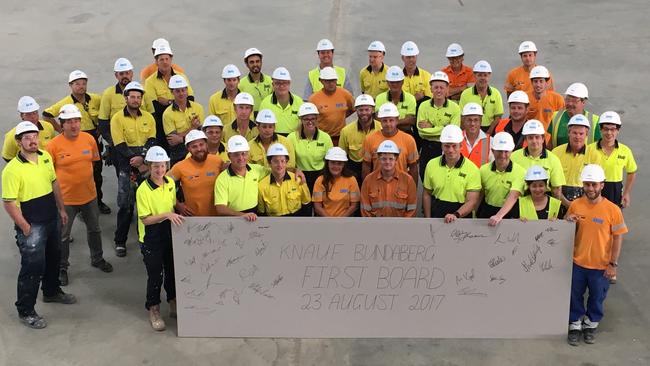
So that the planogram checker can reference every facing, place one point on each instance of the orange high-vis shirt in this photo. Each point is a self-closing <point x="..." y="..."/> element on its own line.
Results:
<point x="197" y="180"/>
<point x="543" y="109"/>
<point x="394" y="198"/>
<point x="153" y="68"/>
<point x="73" y="163"/>
<point x="344" y="192"/>
<point x="408" y="149"/>
<point x="519" y="79"/>
<point x="597" y="224"/>
<point x="333" y="110"/>
<point x="462" y="78"/>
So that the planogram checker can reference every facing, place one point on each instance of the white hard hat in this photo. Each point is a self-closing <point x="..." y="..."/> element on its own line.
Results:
<point x="134" y="85"/>
<point x="518" y="96"/>
<point x="578" y="90"/>
<point x="237" y="143"/>
<point x="336" y="154"/>
<point x="592" y="173"/>
<point x="394" y="73"/>
<point x="387" y="146"/>
<point x="539" y="71"/>
<point x="388" y="110"/>
<point x="25" y="126"/>
<point x="159" y="42"/>
<point x="439" y="76"/>
<point x="533" y="127"/>
<point x="482" y="66"/>
<point x="454" y="50"/>
<point x="77" y="74"/>
<point x="472" y="109"/>
<point x="536" y="172"/>
<point x="266" y="116"/>
<point x="252" y="51"/>
<point x="177" y="81"/>
<point x="194" y="135"/>
<point x="376" y="46"/>
<point x="281" y="73"/>
<point x="211" y="121"/>
<point x="409" y="48"/>
<point x="277" y="149"/>
<point x="324" y="45"/>
<point x="69" y="111"/>
<point x="328" y="73"/>
<point x="527" y="46"/>
<point x="610" y="117"/>
<point x="451" y="134"/>
<point x="502" y="141"/>
<point x="579" y="120"/>
<point x="307" y="109"/>
<point x="243" y="98"/>
<point x="230" y="71"/>
<point x="364" y="99"/>
<point x="163" y="49"/>
<point x="27" y="104"/>
<point x="156" y="154"/>
<point x="122" y="64"/>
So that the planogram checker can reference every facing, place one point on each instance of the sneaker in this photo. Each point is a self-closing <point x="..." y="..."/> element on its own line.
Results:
<point x="103" y="208"/>
<point x="61" y="298"/>
<point x="63" y="277"/>
<point x="574" y="337"/>
<point x="103" y="266"/>
<point x="157" y="323"/>
<point x="33" y="321"/>
<point x="589" y="335"/>
<point x="120" y="250"/>
<point x="172" y="308"/>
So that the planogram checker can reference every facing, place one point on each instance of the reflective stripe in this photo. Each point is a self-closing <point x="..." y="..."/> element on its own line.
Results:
<point x="366" y="207"/>
<point x="391" y="204"/>
<point x="354" y="194"/>
<point x="485" y="151"/>
<point x="618" y="227"/>
<point x="317" y="194"/>
<point x="555" y="126"/>
<point x="411" y="207"/>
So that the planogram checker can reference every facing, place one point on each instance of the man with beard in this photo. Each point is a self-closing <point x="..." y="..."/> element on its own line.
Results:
<point x="353" y="134"/>
<point x="197" y="175"/>
<point x="256" y="84"/>
<point x="518" y="106"/>
<point x="325" y="52"/>
<point x="32" y="198"/>
<point x="28" y="111"/>
<point x="597" y="247"/>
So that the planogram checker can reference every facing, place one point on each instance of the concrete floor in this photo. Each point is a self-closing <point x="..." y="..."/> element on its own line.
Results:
<point x="601" y="43"/>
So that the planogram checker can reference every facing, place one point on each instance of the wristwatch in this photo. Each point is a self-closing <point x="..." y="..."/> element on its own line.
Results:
<point x="457" y="214"/>
<point x="613" y="264"/>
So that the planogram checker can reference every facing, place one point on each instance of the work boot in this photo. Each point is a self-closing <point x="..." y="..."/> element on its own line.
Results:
<point x="157" y="323"/>
<point x="120" y="250"/>
<point x="33" y="321"/>
<point x="103" y="208"/>
<point x="172" y="308"/>
<point x="589" y="335"/>
<point x="574" y="337"/>
<point x="63" y="277"/>
<point x="103" y="266"/>
<point x="61" y="298"/>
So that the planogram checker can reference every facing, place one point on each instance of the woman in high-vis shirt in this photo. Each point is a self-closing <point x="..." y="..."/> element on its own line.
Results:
<point x="536" y="204"/>
<point x="336" y="191"/>
<point x="310" y="144"/>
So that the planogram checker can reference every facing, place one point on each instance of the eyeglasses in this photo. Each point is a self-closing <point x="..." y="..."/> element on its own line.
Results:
<point x="309" y="120"/>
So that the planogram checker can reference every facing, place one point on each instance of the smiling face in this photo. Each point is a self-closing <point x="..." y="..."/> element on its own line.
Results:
<point x="535" y="143"/>
<point x="281" y="87"/>
<point x="574" y="105"/>
<point x="537" y="188"/>
<point x="539" y="85"/>
<point x="326" y="57"/>
<point x="158" y="170"/>
<point x="456" y="62"/>
<point x="471" y="124"/>
<point x="439" y="89"/>
<point x="279" y="165"/>
<point x="79" y="86"/>
<point x="592" y="189"/>
<point x="309" y="123"/>
<point x="254" y="64"/>
<point x="518" y="111"/>
<point x="124" y="77"/>
<point x="198" y="149"/>
<point x="238" y="160"/>
<point x="502" y="157"/>
<point x="387" y="161"/>
<point x="335" y="167"/>
<point x="364" y="113"/>
<point x="609" y="132"/>
<point x="451" y="151"/>
<point x="214" y="134"/>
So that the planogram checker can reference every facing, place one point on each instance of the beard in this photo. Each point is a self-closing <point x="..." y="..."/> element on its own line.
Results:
<point x="200" y="156"/>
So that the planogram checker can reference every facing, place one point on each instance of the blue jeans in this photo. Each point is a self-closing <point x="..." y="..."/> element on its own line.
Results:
<point x="594" y="280"/>
<point x="40" y="253"/>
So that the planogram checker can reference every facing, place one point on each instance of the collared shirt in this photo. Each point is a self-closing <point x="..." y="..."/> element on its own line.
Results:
<point x="337" y="199"/>
<point x="257" y="151"/>
<point x="134" y="131"/>
<point x="258" y="89"/>
<point x="333" y="109"/>
<point x="519" y="79"/>
<point x="492" y="103"/>
<point x="156" y="86"/>
<point x="232" y="129"/>
<point x="505" y="125"/>
<point x="462" y="78"/>
<point x="29" y="185"/>
<point x="396" y="197"/>
<point x="153" y="68"/>
<point x="152" y="199"/>
<point x="282" y="198"/>
<point x="405" y="142"/>
<point x="373" y="83"/>
<point x="542" y="109"/>
<point x="418" y="82"/>
<point x="546" y="160"/>
<point x="239" y="193"/>
<point x="497" y="184"/>
<point x="451" y="184"/>
<point x="221" y="106"/>
<point x="572" y="163"/>
<point x="406" y="105"/>
<point x="559" y="127"/>
<point x="89" y="109"/>
<point x="479" y="152"/>
<point x="314" y="85"/>
<point x="176" y="120"/>
<point x="439" y="117"/>
<point x="197" y="180"/>
<point x="10" y="148"/>
<point x="73" y="161"/>
<point x="352" y="137"/>
<point x="310" y="153"/>
<point x="287" y="117"/>
<point x="620" y="159"/>
<point x="113" y="101"/>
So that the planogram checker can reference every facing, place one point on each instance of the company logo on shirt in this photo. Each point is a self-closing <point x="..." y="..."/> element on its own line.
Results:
<point x="340" y="105"/>
<point x="85" y="152"/>
<point x="210" y="174"/>
<point x="597" y="220"/>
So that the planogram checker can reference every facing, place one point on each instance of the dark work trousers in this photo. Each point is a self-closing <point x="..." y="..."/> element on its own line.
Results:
<point x="356" y="167"/>
<point x="40" y="254"/>
<point x="158" y="258"/>
<point x="429" y="150"/>
<point x="127" y="182"/>
<point x="613" y="191"/>
<point x="161" y="139"/>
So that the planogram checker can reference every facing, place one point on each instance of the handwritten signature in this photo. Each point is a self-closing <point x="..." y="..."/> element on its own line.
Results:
<point x="496" y="261"/>
<point x="529" y="262"/>
<point x="470" y="291"/>
<point x="459" y="235"/>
